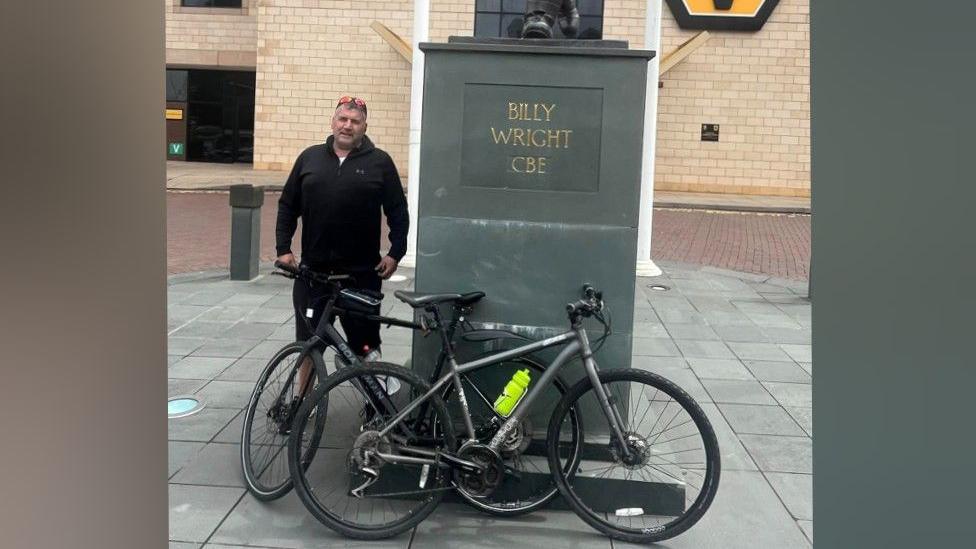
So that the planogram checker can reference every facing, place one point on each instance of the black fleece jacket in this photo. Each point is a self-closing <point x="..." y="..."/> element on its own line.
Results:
<point x="340" y="207"/>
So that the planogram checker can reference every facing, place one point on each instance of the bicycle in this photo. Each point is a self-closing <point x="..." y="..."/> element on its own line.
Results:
<point x="279" y="390"/>
<point x="263" y="476"/>
<point x="401" y="463"/>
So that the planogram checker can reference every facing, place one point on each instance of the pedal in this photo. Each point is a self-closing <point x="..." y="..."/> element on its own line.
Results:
<point x="372" y="475"/>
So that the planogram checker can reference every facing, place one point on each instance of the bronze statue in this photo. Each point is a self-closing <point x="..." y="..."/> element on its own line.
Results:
<point x="540" y="15"/>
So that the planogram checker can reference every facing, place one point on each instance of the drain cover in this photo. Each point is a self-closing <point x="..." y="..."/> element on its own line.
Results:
<point x="659" y="287"/>
<point x="182" y="406"/>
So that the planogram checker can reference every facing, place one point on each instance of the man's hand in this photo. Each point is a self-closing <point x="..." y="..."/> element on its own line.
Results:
<point x="386" y="267"/>
<point x="288" y="259"/>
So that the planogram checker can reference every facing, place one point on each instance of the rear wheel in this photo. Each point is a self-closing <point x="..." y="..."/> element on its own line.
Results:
<point x="527" y="483"/>
<point x="660" y="479"/>
<point x="348" y="486"/>
<point x="267" y="422"/>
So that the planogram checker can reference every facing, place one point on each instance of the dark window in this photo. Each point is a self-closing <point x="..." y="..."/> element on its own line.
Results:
<point x="176" y="85"/>
<point x="220" y="116"/>
<point x="503" y="18"/>
<point x="212" y="3"/>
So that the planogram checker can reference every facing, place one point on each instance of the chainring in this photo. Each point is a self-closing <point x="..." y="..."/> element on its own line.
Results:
<point x="482" y="484"/>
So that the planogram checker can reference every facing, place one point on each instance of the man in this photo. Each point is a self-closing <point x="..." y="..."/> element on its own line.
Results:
<point x="338" y="189"/>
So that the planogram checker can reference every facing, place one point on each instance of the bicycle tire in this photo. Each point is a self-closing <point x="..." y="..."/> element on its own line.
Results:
<point x="260" y="476"/>
<point x="677" y="478"/>
<point x="331" y="471"/>
<point x="535" y="496"/>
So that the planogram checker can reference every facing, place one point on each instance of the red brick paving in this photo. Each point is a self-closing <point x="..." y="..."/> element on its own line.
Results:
<point x="198" y="231"/>
<point x="198" y="237"/>
<point x="772" y="244"/>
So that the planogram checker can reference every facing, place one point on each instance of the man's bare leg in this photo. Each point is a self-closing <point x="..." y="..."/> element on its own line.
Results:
<point x="304" y="376"/>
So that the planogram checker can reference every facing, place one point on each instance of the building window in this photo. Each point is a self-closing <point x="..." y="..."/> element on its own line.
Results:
<point x="503" y="18"/>
<point x="176" y="84"/>
<point x="211" y="3"/>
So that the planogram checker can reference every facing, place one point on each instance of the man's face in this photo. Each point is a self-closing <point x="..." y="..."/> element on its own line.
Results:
<point x="348" y="127"/>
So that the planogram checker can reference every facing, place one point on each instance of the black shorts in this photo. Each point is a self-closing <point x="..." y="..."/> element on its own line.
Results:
<point x="360" y="333"/>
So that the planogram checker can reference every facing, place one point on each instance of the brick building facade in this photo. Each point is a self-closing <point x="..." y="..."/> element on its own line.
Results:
<point x="307" y="53"/>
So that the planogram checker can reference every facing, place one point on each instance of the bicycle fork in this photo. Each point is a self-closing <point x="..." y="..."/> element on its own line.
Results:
<point x="607" y="403"/>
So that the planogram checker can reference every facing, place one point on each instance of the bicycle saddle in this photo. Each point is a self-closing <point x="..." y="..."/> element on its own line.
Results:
<point x="419" y="299"/>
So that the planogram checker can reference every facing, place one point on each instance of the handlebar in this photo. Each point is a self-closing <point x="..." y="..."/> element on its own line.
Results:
<point x="592" y="303"/>
<point x="304" y="273"/>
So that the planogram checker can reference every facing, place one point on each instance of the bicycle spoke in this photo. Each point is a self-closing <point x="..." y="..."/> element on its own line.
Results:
<point x="665" y="450"/>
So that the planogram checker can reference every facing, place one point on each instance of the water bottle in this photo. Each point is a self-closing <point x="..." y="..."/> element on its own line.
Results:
<point x="513" y="393"/>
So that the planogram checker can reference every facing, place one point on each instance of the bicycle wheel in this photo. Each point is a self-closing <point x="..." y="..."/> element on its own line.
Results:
<point x="403" y="494"/>
<point x="671" y="475"/>
<point x="528" y="482"/>
<point x="267" y="421"/>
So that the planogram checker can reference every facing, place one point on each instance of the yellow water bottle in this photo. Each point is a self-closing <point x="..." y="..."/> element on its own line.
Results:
<point x="513" y="393"/>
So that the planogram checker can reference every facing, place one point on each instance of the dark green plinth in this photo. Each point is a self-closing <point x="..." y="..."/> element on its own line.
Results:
<point x="530" y="181"/>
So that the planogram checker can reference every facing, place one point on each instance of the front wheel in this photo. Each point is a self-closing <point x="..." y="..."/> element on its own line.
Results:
<point x="267" y="421"/>
<point x="659" y="479"/>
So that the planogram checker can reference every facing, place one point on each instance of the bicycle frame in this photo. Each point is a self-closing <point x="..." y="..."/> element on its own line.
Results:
<point x="575" y="341"/>
<point x="325" y="335"/>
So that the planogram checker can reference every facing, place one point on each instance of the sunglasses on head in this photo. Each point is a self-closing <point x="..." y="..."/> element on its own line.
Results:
<point x="354" y="100"/>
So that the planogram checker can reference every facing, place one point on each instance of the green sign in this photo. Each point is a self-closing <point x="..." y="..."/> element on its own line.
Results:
<point x="176" y="149"/>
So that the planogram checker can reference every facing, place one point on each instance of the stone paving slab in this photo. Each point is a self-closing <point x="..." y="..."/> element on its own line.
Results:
<point x="231" y="432"/>
<point x="246" y="369"/>
<point x="287" y="524"/>
<point x="180" y="453"/>
<point x="729" y="391"/>
<point x="796" y="491"/>
<point x="655" y="346"/>
<point x="753" y="419"/>
<point x="199" y="367"/>
<point x="790" y="394"/>
<point x="746" y="514"/>
<point x="209" y="467"/>
<point x="790" y="372"/>
<point x="803" y="417"/>
<point x="196" y="511"/>
<point x="227" y="394"/>
<point x="182" y="346"/>
<point x="692" y="331"/>
<point x="201" y="426"/>
<point x="226" y="348"/>
<point x="787" y="335"/>
<point x="454" y="525"/>
<point x="180" y="387"/>
<point x="719" y="368"/>
<point x="691" y="348"/>
<point x="780" y="453"/>
<point x="735" y="457"/>
<point x="807" y="526"/>
<point x="737" y="344"/>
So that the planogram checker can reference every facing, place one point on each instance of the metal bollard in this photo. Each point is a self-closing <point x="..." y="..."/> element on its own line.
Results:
<point x="245" y="230"/>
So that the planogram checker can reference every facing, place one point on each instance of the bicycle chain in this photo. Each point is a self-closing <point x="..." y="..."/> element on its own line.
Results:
<point x="411" y="492"/>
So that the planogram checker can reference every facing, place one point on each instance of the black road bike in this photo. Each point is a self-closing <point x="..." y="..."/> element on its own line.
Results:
<point x="280" y="390"/>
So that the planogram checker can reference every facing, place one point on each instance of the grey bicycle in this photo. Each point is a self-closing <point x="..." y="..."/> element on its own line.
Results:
<point x="645" y="468"/>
